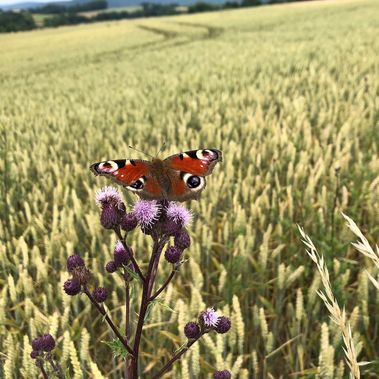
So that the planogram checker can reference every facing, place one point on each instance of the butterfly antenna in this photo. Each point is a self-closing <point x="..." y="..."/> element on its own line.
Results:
<point x="140" y="151"/>
<point x="161" y="149"/>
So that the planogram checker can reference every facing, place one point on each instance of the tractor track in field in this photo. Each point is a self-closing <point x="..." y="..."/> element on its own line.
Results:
<point x="170" y="40"/>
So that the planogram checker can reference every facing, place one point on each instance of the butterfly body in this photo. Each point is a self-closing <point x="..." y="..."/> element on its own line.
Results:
<point x="179" y="177"/>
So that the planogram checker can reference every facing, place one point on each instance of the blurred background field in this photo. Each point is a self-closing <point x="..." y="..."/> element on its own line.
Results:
<point x="289" y="93"/>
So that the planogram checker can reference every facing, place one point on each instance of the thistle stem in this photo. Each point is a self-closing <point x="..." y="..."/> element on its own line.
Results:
<point x="127" y="329"/>
<point x="56" y="367"/>
<point x="39" y="363"/>
<point x="146" y="293"/>
<point x="175" y="357"/>
<point x="101" y="309"/>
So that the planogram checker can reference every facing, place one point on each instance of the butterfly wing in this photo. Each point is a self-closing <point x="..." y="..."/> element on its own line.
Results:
<point x="188" y="171"/>
<point x="133" y="174"/>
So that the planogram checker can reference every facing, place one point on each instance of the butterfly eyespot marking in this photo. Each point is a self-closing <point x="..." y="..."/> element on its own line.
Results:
<point x="193" y="182"/>
<point x="107" y="167"/>
<point x="206" y="154"/>
<point x="137" y="185"/>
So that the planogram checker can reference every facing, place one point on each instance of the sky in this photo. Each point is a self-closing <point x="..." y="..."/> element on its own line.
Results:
<point x="7" y="2"/>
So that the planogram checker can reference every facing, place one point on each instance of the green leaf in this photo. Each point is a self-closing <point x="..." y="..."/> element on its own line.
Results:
<point x="132" y="273"/>
<point x="118" y="349"/>
<point x="161" y="303"/>
<point x="150" y="308"/>
<point x="153" y="303"/>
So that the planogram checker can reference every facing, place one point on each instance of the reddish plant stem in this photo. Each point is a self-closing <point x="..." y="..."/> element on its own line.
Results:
<point x="146" y="293"/>
<point x="164" y="285"/>
<point x="56" y="367"/>
<point x="101" y="309"/>
<point x="175" y="357"/>
<point x="39" y="364"/>
<point x="127" y="328"/>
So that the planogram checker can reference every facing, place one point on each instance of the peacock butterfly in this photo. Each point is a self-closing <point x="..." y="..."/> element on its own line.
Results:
<point x="179" y="177"/>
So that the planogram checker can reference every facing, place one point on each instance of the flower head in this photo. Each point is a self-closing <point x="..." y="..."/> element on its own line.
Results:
<point x="223" y="325"/>
<point x="121" y="256"/>
<point x="71" y="287"/>
<point x="182" y="240"/>
<point x="146" y="212"/>
<point x="45" y="343"/>
<point x="48" y="342"/>
<point x="37" y="344"/>
<point x="74" y="261"/>
<point x="128" y="222"/>
<point x="111" y="266"/>
<point x="173" y="254"/>
<point x="108" y="195"/>
<point x="179" y="214"/>
<point x="225" y="374"/>
<point x="110" y="216"/>
<point x="100" y="294"/>
<point x="192" y="330"/>
<point x="209" y="318"/>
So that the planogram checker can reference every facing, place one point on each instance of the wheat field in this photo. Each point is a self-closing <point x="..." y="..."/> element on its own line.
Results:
<point x="289" y="93"/>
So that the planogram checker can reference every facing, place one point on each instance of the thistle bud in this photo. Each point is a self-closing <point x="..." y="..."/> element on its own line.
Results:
<point x="121" y="256"/>
<point x="173" y="254"/>
<point x="74" y="261"/>
<point x="128" y="222"/>
<point x="182" y="240"/>
<point x="192" y="330"/>
<point x="71" y="287"/>
<point x="111" y="267"/>
<point x="223" y="325"/>
<point x="100" y="294"/>
<point x="34" y="354"/>
<point x="225" y="374"/>
<point x="48" y="342"/>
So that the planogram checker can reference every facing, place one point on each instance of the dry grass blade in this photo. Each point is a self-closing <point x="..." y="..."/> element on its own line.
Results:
<point x="364" y="247"/>
<point x="337" y="314"/>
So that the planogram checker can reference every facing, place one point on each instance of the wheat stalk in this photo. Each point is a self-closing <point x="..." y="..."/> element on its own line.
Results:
<point x="337" y="315"/>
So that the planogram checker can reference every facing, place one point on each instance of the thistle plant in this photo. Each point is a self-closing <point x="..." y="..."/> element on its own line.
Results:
<point x="165" y="223"/>
<point x="42" y="354"/>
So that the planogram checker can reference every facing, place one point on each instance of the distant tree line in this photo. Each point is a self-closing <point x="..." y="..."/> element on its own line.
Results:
<point x="52" y="8"/>
<point x="18" y="21"/>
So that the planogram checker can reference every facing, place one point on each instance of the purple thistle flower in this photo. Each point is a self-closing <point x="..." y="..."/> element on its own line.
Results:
<point x="173" y="254"/>
<point x="209" y="318"/>
<point x="179" y="214"/>
<point x="71" y="287"/>
<point x="146" y="212"/>
<point x="182" y="240"/>
<point x="110" y="216"/>
<point x="225" y="374"/>
<point x="111" y="267"/>
<point x="109" y="195"/>
<point x="120" y="254"/>
<point x="100" y="294"/>
<point x="192" y="330"/>
<point x="223" y="325"/>
<point x="74" y="261"/>
<point x="128" y="222"/>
